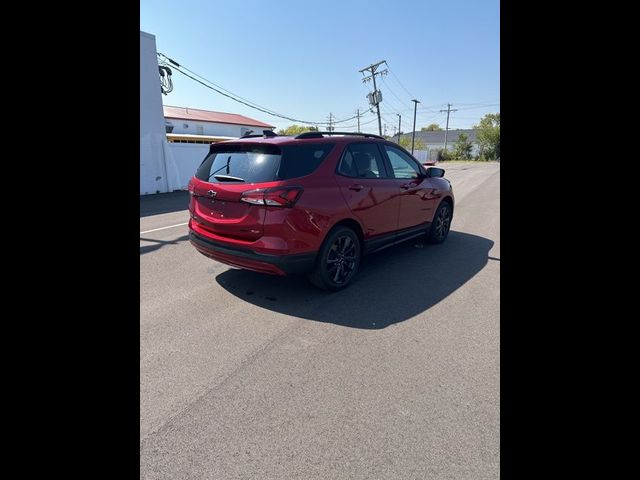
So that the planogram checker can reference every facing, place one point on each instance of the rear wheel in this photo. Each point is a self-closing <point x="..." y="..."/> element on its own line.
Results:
<point x="338" y="260"/>
<point x="439" y="228"/>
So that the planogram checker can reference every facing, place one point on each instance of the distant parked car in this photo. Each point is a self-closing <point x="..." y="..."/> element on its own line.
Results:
<point x="314" y="203"/>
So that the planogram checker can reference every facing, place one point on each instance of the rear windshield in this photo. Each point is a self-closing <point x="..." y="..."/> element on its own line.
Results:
<point x="261" y="163"/>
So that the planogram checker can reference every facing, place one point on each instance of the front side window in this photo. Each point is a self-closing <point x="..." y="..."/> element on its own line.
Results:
<point x="402" y="165"/>
<point x="362" y="160"/>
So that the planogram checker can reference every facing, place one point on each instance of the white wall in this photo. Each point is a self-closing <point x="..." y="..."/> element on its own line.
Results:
<point x="153" y="175"/>
<point x="184" y="159"/>
<point x="209" y="128"/>
<point x="420" y="155"/>
<point x="451" y="146"/>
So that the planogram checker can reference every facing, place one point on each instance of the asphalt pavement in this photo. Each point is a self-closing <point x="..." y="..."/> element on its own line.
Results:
<point x="245" y="376"/>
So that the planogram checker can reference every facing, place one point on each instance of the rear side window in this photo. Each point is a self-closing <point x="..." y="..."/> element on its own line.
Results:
<point x="301" y="160"/>
<point x="362" y="160"/>
<point x="261" y="163"/>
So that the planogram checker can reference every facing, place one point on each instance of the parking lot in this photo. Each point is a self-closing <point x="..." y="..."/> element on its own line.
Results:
<point x="244" y="375"/>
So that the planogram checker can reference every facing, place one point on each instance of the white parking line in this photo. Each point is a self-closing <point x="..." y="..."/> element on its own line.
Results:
<point x="166" y="213"/>
<point x="163" y="228"/>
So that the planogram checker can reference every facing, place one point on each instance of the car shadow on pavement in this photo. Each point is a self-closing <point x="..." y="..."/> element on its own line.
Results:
<point x="159" y="203"/>
<point x="392" y="285"/>
<point x="160" y="243"/>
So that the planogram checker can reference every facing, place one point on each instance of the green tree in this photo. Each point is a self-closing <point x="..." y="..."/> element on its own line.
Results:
<point x="294" y="130"/>
<point x="463" y="148"/>
<point x="444" y="155"/>
<point x="434" y="127"/>
<point x="406" y="143"/>
<point x="489" y="136"/>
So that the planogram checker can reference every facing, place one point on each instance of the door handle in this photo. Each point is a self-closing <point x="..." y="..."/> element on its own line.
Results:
<point x="407" y="186"/>
<point x="356" y="187"/>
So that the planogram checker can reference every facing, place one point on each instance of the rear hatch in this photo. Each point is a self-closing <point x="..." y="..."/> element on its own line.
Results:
<point x="236" y="183"/>
<point x="217" y="187"/>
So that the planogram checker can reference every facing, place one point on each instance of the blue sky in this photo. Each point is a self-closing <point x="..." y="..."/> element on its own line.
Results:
<point x="301" y="59"/>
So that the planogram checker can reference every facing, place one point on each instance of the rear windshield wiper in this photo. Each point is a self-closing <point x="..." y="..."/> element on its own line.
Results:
<point x="224" y="166"/>
<point x="228" y="178"/>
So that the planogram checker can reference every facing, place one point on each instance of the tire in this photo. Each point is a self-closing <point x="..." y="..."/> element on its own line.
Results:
<point x="338" y="260"/>
<point x="441" y="224"/>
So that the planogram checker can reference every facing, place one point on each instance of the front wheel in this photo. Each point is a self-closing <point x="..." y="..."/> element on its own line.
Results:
<point x="439" y="228"/>
<point x="338" y="260"/>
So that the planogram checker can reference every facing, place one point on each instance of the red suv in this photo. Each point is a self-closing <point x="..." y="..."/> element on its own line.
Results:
<point x="315" y="203"/>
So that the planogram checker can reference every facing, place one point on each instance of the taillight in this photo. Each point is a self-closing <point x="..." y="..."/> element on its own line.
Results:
<point x="274" y="197"/>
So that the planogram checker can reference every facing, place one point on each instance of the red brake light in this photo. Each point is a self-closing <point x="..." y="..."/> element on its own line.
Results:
<point x="274" y="197"/>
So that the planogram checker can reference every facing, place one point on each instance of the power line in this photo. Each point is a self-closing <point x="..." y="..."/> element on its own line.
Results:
<point x="361" y="124"/>
<point x="428" y="110"/>
<point x="393" y="93"/>
<point x="170" y="60"/>
<point x="400" y="83"/>
<point x="239" y="99"/>
<point x="358" y="115"/>
<point x="480" y="106"/>
<point x="388" y="112"/>
<point x="421" y="116"/>
<point x="393" y="107"/>
<point x="478" y="103"/>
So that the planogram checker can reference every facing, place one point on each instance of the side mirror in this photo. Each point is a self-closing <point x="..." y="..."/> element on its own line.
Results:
<point x="434" y="172"/>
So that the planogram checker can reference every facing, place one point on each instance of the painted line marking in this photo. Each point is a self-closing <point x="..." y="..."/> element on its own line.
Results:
<point x="163" y="228"/>
<point x="165" y="213"/>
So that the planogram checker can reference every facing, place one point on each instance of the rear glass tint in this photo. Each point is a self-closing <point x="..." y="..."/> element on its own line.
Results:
<point x="261" y="163"/>
<point x="248" y="163"/>
<point x="300" y="160"/>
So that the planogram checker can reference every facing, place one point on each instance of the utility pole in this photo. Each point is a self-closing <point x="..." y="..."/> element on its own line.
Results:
<point x="358" y="115"/>
<point x="330" y="127"/>
<point x="376" y="98"/>
<point x="413" y="136"/>
<point x="399" y="123"/>
<point x="446" y="130"/>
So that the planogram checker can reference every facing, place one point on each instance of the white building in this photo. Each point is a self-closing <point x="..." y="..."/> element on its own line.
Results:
<point x="153" y="168"/>
<point x="434" y="142"/>
<point x="193" y="121"/>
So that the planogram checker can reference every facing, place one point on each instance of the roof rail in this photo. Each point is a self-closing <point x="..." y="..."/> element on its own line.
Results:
<point x="315" y="134"/>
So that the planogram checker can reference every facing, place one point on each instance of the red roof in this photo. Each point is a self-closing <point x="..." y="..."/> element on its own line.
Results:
<point x="188" y="113"/>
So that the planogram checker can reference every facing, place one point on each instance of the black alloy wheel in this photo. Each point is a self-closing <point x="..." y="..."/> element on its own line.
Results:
<point x="338" y="260"/>
<point x="441" y="224"/>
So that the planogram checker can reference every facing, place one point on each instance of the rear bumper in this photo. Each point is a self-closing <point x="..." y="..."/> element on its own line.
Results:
<point x="250" y="260"/>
